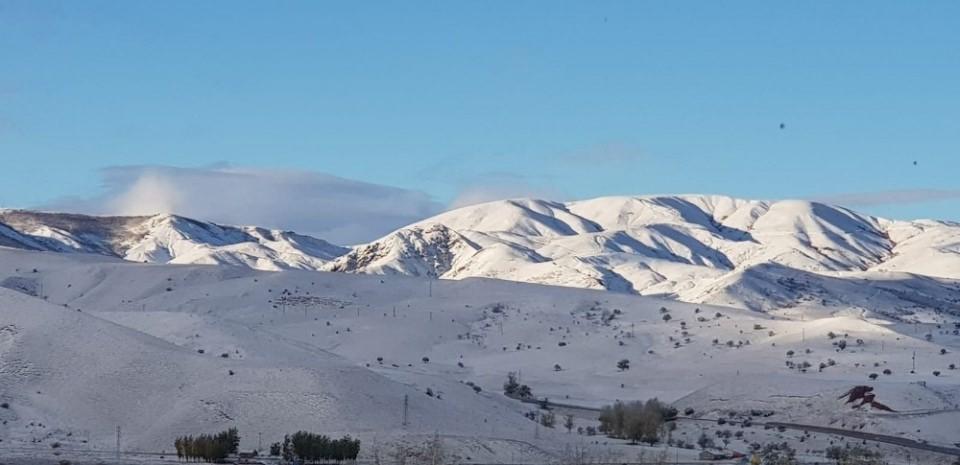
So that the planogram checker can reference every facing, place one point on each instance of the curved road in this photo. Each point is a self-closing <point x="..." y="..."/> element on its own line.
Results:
<point x="895" y="440"/>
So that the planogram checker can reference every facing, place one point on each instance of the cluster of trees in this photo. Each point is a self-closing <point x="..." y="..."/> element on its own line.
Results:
<point x="512" y="388"/>
<point x="637" y="421"/>
<point x="310" y="447"/>
<point x="208" y="447"/>
<point x="777" y="454"/>
<point x="855" y="455"/>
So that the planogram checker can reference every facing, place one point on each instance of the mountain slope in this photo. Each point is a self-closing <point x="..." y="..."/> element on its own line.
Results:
<point x="114" y="343"/>
<point x="164" y="239"/>
<point x="694" y="248"/>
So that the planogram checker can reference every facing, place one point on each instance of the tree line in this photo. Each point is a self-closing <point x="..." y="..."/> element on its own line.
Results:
<point x="207" y="447"/>
<point x="310" y="447"/>
<point x="637" y="421"/>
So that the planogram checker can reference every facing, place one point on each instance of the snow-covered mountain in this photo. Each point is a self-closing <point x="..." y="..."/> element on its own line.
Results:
<point x="164" y="239"/>
<point x="757" y="254"/>
<point x="704" y="249"/>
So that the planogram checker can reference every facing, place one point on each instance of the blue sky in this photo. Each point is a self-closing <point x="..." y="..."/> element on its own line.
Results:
<point x="486" y="99"/>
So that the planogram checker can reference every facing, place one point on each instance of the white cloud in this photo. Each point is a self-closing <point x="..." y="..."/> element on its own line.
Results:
<point x="499" y="186"/>
<point x="339" y="210"/>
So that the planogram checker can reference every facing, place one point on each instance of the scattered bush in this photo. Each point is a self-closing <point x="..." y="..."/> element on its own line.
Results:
<point x="548" y="419"/>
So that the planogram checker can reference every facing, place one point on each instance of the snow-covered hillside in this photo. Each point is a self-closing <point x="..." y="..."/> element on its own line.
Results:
<point x="164" y="239"/>
<point x="712" y="249"/>
<point x="89" y="343"/>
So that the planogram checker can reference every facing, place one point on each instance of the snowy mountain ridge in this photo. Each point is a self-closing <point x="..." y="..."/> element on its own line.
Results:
<point x="164" y="239"/>
<point x="757" y="254"/>
<point x="762" y="255"/>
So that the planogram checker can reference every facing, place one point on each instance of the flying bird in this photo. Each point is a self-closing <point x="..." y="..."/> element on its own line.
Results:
<point x="914" y="163"/>
<point x="783" y="126"/>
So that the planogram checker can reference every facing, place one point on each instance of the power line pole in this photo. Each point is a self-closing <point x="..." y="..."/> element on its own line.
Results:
<point x="118" y="443"/>
<point x="405" y="408"/>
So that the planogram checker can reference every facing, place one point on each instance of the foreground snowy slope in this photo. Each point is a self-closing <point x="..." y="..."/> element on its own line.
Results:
<point x="70" y="377"/>
<point x="759" y="255"/>
<point x="336" y="352"/>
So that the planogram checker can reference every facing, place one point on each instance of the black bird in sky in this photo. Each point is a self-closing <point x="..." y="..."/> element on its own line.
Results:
<point x="783" y="126"/>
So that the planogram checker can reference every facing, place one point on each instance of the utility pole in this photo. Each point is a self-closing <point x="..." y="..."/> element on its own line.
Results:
<point x="405" y="407"/>
<point x="394" y="311"/>
<point x="430" y="288"/>
<point x="259" y="442"/>
<point x="118" y="443"/>
<point x="914" y="361"/>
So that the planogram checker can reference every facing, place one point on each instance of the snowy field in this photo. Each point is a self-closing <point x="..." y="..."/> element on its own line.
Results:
<point x="89" y="343"/>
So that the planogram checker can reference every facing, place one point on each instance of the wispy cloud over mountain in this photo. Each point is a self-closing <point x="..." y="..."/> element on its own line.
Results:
<point x="340" y="210"/>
